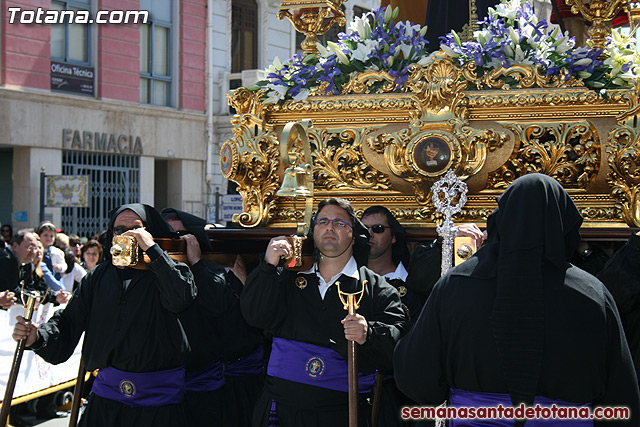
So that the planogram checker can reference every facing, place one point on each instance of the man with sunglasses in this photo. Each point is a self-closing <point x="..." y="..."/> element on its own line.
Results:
<point x="306" y="382"/>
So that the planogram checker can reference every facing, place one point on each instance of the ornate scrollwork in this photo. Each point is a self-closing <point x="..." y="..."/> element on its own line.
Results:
<point x="420" y="156"/>
<point x="253" y="164"/>
<point x="623" y="151"/>
<point x="379" y="81"/>
<point x="569" y="152"/>
<point x="633" y="100"/>
<point x="339" y="162"/>
<point x="246" y="101"/>
<point x="517" y="76"/>
<point x="438" y="86"/>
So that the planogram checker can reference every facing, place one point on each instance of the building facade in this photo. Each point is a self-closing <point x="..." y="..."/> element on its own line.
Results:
<point x="121" y="102"/>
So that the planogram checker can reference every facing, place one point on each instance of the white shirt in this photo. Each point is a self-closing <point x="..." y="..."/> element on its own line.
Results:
<point x="350" y="269"/>
<point x="400" y="273"/>
<point x="76" y="275"/>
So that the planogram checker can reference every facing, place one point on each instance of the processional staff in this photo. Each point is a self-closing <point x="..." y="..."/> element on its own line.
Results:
<point x="351" y="303"/>
<point x="29" y="306"/>
<point x="449" y="195"/>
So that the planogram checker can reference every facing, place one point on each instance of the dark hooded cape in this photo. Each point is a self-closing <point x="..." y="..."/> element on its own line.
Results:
<point x="135" y="330"/>
<point x="517" y="318"/>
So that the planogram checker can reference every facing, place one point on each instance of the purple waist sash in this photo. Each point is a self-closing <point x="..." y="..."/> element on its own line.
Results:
<point x="141" y="389"/>
<point x="313" y="365"/>
<point x="208" y="378"/>
<point x="469" y="399"/>
<point x="249" y="365"/>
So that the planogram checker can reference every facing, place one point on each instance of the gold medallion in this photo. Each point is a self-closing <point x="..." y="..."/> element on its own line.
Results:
<point x="402" y="291"/>
<point x="301" y="282"/>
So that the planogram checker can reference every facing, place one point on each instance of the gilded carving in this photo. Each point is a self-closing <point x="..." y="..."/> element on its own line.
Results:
<point x="339" y="163"/>
<point x="253" y="164"/>
<point x="623" y="152"/>
<point x="518" y="76"/>
<point x="569" y="152"/>
<point x="380" y="81"/>
<point x="439" y="87"/>
<point x="421" y="157"/>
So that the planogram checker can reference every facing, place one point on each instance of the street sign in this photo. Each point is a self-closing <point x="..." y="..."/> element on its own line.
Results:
<point x="230" y="204"/>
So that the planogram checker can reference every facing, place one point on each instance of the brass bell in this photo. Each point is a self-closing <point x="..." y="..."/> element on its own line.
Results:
<point x="294" y="183"/>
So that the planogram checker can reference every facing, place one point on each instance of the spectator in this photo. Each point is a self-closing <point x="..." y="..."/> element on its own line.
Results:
<point x="75" y="244"/>
<point x="74" y="273"/>
<point x="91" y="254"/>
<point x="53" y="257"/>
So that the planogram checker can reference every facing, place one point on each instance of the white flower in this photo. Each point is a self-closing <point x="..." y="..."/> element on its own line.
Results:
<point x="323" y="51"/>
<point x="405" y="49"/>
<point x="446" y="49"/>
<point x="508" y="9"/>
<point x="302" y="95"/>
<point x="275" y="67"/>
<point x="364" y="49"/>
<point x="342" y="58"/>
<point x="361" y="26"/>
<point x="426" y="60"/>
<point x="275" y="93"/>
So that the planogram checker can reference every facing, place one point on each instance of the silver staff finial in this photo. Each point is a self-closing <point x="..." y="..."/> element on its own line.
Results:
<point x="449" y="194"/>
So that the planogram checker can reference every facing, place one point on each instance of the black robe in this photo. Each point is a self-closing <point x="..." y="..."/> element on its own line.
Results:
<point x="518" y="319"/>
<point x="213" y="302"/>
<point x="272" y="301"/>
<point x="621" y="275"/>
<point x="135" y="330"/>
<point x="446" y="15"/>
<point x="240" y="392"/>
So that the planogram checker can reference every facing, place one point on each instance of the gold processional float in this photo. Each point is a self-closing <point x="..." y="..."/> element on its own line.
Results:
<point x="389" y="147"/>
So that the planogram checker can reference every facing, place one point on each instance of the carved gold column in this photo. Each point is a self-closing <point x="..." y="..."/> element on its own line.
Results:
<point x="600" y="13"/>
<point x="312" y="17"/>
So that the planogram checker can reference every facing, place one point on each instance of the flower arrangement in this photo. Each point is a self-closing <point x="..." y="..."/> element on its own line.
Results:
<point x="374" y="42"/>
<point x="511" y="34"/>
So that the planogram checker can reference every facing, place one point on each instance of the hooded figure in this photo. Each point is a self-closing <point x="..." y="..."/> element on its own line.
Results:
<point x="132" y="333"/>
<point x="193" y="223"/>
<point x="517" y="324"/>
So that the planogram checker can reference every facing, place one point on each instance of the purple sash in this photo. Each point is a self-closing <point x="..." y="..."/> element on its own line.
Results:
<point x="313" y="365"/>
<point x="141" y="389"/>
<point x="208" y="378"/>
<point x="249" y="365"/>
<point x="469" y="399"/>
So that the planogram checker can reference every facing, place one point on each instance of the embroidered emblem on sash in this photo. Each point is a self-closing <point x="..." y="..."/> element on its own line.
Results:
<point x="301" y="282"/>
<point x="127" y="388"/>
<point x="315" y="367"/>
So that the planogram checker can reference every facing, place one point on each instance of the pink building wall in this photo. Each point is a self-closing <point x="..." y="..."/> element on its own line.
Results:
<point x="25" y="53"/>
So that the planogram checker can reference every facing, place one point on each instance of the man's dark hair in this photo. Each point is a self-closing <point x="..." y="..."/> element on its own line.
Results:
<point x="399" y="250"/>
<point x="360" y="232"/>
<point x="342" y="203"/>
<point x="18" y="237"/>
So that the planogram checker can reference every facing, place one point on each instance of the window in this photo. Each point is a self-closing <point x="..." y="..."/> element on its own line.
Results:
<point x="155" y="53"/>
<point x="70" y="42"/>
<point x="244" y="35"/>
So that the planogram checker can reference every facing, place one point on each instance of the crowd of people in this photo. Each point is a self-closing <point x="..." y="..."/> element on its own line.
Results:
<point x="197" y="343"/>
